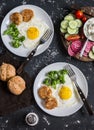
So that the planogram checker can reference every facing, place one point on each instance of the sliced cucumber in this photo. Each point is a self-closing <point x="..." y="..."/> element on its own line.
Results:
<point x="66" y="35"/>
<point x="71" y="14"/>
<point x="91" y="55"/>
<point x="64" y="24"/>
<point x="71" y="31"/>
<point x="63" y="30"/>
<point x="79" y="22"/>
<point x="77" y="31"/>
<point x="93" y="49"/>
<point x="69" y="17"/>
<point x="73" y="24"/>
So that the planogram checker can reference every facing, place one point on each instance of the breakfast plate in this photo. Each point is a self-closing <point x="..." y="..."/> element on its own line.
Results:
<point x="38" y="13"/>
<point x="73" y="35"/>
<point x="60" y="111"/>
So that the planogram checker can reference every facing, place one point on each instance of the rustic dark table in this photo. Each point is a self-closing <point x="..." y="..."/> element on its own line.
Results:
<point x="55" y="53"/>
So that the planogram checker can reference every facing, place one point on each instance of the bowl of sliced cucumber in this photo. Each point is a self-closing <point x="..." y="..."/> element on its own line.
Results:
<point x="74" y="31"/>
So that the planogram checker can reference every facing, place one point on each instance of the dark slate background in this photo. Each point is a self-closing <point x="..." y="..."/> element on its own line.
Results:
<point x="55" y="53"/>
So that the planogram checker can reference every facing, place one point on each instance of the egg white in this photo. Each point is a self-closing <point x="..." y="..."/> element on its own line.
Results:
<point x="34" y="22"/>
<point x="69" y="102"/>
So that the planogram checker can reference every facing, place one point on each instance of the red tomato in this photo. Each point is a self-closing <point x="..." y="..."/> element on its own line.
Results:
<point x="79" y="14"/>
<point x="84" y="19"/>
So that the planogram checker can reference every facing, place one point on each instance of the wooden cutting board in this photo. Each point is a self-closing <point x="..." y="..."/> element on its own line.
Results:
<point x="90" y="12"/>
<point x="9" y="102"/>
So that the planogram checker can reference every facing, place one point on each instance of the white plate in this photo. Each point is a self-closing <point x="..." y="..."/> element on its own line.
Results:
<point x="39" y="13"/>
<point x="60" y="111"/>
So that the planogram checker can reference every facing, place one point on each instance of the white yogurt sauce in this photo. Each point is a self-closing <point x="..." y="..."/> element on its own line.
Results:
<point x="89" y="29"/>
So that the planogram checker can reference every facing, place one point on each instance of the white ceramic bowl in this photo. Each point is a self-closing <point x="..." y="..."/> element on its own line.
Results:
<point x="89" y="28"/>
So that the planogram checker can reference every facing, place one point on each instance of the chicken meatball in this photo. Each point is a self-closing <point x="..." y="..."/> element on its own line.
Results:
<point x="44" y="92"/>
<point x="27" y="14"/>
<point x="16" y="85"/>
<point x="16" y="18"/>
<point x="7" y="71"/>
<point x="50" y="103"/>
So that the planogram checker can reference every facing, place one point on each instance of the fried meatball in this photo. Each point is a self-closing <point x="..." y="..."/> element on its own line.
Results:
<point x="27" y="14"/>
<point x="16" y="85"/>
<point x="7" y="71"/>
<point x="16" y="18"/>
<point x="50" y="103"/>
<point x="44" y="92"/>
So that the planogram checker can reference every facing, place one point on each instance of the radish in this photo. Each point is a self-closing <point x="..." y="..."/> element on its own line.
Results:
<point x="85" y="54"/>
<point x="89" y="46"/>
<point x="76" y="46"/>
<point x="70" y="51"/>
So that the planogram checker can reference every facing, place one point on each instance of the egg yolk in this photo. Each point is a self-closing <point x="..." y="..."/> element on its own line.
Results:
<point x="65" y="93"/>
<point x="32" y="33"/>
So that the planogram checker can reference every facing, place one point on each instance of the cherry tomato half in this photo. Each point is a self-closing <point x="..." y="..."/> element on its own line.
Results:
<point x="84" y="19"/>
<point x="79" y="14"/>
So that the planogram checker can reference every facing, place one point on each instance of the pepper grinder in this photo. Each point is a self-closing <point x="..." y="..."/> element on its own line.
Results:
<point x="31" y="119"/>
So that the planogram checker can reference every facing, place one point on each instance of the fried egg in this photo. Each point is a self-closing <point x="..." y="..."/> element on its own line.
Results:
<point x="65" y="93"/>
<point x="33" y="31"/>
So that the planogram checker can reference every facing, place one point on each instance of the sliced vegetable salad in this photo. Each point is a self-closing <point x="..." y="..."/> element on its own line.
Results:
<point x="70" y="27"/>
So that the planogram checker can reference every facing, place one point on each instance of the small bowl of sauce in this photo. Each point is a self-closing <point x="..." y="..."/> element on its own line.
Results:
<point x="89" y="29"/>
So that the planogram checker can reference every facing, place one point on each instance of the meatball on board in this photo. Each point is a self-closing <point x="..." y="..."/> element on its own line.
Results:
<point x="7" y="71"/>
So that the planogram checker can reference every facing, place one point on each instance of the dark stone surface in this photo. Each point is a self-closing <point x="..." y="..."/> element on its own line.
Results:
<point x="55" y="53"/>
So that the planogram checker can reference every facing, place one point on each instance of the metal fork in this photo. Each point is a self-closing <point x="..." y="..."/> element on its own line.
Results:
<point x="43" y="40"/>
<point x="72" y="75"/>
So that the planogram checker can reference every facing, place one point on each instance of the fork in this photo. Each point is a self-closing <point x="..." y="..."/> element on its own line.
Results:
<point x="72" y="75"/>
<point x="43" y="40"/>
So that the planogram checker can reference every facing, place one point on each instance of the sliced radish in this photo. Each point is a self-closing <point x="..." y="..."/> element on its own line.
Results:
<point x="87" y="50"/>
<point x="76" y="46"/>
<point x="89" y="46"/>
<point x="85" y="54"/>
<point x="70" y="51"/>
